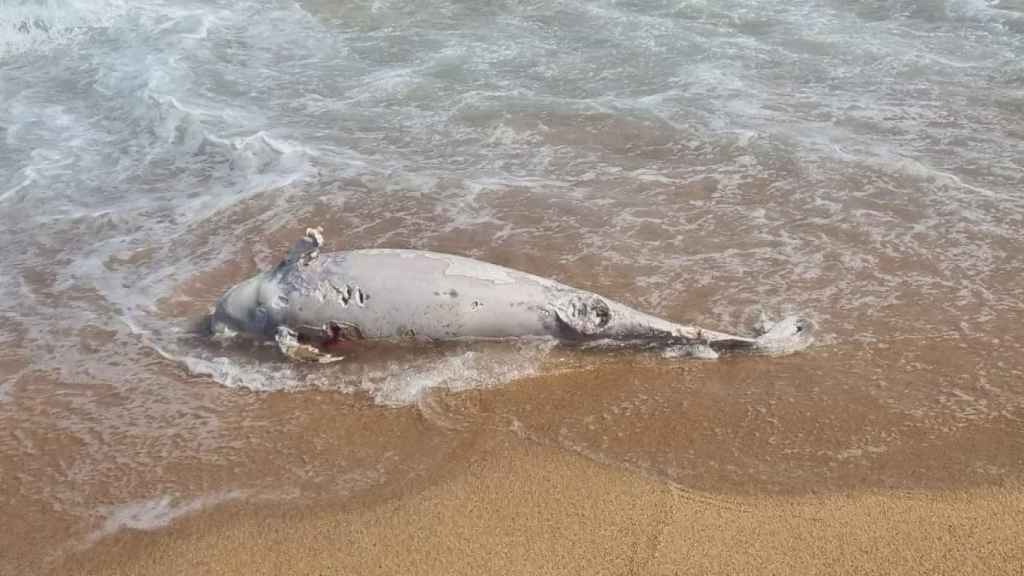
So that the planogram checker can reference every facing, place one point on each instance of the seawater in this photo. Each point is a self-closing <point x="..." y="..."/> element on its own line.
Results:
<point x="857" y="163"/>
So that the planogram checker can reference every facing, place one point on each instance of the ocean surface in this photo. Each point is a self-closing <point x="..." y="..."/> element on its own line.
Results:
<point x="860" y="164"/>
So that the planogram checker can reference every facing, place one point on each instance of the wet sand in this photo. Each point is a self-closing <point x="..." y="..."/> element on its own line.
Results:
<point x="522" y="508"/>
<point x="737" y="466"/>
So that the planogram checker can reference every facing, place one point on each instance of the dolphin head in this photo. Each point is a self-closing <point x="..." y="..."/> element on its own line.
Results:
<point x="242" y="309"/>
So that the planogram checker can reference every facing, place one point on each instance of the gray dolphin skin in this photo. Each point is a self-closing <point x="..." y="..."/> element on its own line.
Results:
<point x="312" y="301"/>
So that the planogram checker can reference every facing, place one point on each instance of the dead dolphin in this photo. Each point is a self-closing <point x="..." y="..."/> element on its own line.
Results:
<point x="311" y="301"/>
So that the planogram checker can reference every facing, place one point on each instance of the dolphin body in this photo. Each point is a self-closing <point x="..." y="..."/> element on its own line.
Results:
<point x="311" y="301"/>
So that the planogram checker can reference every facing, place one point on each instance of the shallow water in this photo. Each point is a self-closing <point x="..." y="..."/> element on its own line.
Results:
<point x="859" y="164"/>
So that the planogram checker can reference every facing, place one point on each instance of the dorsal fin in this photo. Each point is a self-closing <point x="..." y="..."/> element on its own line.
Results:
<point x="582" y="316"/>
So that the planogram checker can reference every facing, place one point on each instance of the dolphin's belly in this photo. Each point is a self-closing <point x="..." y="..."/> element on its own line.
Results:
<point x="403" y="293"/>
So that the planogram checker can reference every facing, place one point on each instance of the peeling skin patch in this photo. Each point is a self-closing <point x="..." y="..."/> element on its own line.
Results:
<point x="473" y="269"/>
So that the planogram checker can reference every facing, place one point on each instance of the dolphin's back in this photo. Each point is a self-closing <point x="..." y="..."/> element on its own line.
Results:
<point x="403" y="293"/>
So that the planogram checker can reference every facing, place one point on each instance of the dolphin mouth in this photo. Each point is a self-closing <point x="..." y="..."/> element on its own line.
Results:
<point x="221" y="323"/>
<point x="240" y="311"/>
<point x="217" y="325"/>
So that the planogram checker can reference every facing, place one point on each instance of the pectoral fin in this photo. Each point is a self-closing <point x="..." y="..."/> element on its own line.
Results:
<point x="288" y="343"/>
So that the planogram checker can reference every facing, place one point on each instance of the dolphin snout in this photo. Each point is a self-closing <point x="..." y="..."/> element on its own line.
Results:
<point x="239" y="310"/>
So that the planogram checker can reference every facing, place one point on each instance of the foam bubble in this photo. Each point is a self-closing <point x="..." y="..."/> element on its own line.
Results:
<point x="38" y="25"/>
<point x="395" y="376"/>
<point x="155" y="513"/>
<point x="786" y="336"/>
<point x="700" y="351"/>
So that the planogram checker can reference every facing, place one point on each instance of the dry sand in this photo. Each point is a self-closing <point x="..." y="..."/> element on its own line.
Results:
<point x="519" y="508"/>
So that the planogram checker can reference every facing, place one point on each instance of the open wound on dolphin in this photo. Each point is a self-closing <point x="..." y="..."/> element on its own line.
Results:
<point x="583" y="317"/>
<point x="341" y="334"/>
<point x="320" y="302"/>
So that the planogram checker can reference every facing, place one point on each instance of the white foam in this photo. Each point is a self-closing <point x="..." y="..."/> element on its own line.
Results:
<point x="396" y="382"/>
<point x="229" y="373"/>
<point x="155" y="513"/>
<point x="700" y="351"/>
<point x="786" y="336"/>
<point x="37" y="25"/>
<point x="399" y="385"/>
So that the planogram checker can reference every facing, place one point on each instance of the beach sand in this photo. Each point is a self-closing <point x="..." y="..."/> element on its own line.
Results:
<point x="516" y="507"/>
<point x="848" y="460"/>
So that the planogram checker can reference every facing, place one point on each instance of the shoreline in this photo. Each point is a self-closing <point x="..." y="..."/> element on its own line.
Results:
<point x="518" y="507"/>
